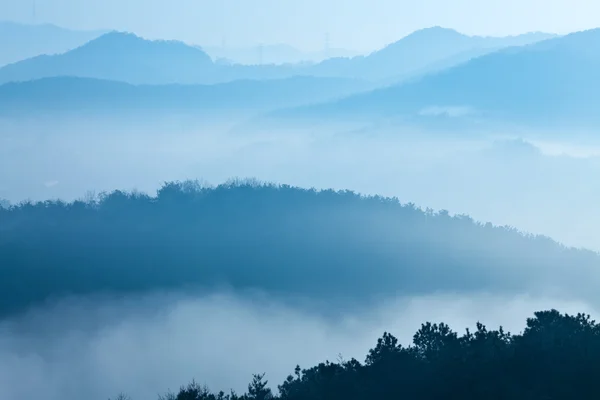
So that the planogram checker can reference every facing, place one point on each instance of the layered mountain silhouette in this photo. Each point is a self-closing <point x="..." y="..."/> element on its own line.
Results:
<point x="117" y="56"/>
<point x="337" y="247"/>
<point x="20" y="41"/>
<point x="550" y="81"/>
<point x="125" y="57"/>
<point x="128" y="58"/>
<point x="74" y="95"/>
<point x="273" y="54"/>
<point x="424" y="50"/>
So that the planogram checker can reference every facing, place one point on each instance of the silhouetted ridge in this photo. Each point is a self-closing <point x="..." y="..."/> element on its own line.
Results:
<point x="126" y="57"/>
<point x="287" y="241"/>
<point x="434" y="32"/>
<point x="73" y="95"/>
<point x="126" y="44"/>
<point x="552" y="82"/>
<point x="118" y="56"/>
<point x="585" y="42"/>
<point x="423" y="47"/>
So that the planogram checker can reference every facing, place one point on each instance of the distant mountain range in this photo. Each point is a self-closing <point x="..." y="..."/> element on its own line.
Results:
<point x="20" y="41"/>
<point x="129" y="58"/>
<point x="547" y="82"/>
<point x="272" y="54"/>
<point x="72" y="94"/>
<point x="424" y="50"/>
<point x="120" y="57"/>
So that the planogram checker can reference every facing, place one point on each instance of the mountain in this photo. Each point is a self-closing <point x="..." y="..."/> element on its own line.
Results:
<point x="338" y="247"/>
<point x="20" y="41"/>
<point x="125" y="57"/>
<point x="117" y="56"/>
<point x="553" y="81"/>
<point x="71" y="94"/>
<point x="128" y="58"/>
<point x="422" y="50"/>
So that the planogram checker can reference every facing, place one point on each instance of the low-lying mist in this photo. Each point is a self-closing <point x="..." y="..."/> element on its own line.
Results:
<point x="94" y="348"/>
<point x="507" y="183"/>
<point x="145" y="343"/>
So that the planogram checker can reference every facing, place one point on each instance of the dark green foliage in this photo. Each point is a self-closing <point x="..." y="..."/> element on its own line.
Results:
<point x="337" y="247"/>
<point x="556" y="357"/>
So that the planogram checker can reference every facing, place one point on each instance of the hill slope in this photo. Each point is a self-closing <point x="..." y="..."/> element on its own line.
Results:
<point x="125" y="57"/>
<point x="420" y="51"/>
<point x="557" y="80"/>
<point x="117" y="56"/>
<point x="337" y="247"/>
<point x="73" y="95"/>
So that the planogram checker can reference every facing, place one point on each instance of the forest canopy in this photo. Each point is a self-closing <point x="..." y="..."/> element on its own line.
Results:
<point x="286" y="241"/>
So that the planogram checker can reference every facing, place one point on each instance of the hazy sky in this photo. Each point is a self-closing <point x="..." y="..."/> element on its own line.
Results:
<point x="354" y="24"/>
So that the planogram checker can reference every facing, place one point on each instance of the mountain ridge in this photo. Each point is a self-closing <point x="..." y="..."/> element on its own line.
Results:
<point x="553" y="78"/>
<point x="72" y="94"/>
<point x="293" y="240"/>
<point x="126" y="57"/>
<point x="423" y="49"/>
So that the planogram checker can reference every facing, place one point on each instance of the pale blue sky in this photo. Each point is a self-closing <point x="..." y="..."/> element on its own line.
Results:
<point x="354" y="24"/>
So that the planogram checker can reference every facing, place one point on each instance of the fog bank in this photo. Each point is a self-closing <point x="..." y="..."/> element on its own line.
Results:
<point x="517" y="184"/>
<point x="96" y="348"/>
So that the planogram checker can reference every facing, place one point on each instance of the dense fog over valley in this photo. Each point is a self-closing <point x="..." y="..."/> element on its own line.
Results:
<point x="146" y="345"/>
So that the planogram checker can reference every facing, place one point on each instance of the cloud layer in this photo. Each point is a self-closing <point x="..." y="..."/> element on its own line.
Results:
<point x="96" y="348"/>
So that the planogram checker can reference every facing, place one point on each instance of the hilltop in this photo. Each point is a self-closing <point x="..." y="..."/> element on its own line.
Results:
<point x="336" y="248"/>
<point x="117" y="56"/>
<point x="422" y="51"/>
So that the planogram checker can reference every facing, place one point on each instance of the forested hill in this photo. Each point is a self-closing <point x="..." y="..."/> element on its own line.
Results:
<point x="556" y="357"/>
<point x="287" y="241"/>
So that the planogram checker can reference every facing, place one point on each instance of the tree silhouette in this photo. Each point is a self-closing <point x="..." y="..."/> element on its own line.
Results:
<point x="336" y="247"/>
<point x="480" y="364"/>
<point x="258" y="390"/>
<point x="555" y="357"/>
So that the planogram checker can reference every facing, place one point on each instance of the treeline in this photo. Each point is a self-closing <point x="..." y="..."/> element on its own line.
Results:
<point x="555" y="357"/>
<point x="290" y="242"/>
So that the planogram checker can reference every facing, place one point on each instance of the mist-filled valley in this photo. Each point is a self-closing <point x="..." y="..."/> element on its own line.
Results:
<point x="170" y="216"/>
<point x="147" y="345"/>
<point x="129" y="285"/>
<point x="506" y="180"/>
